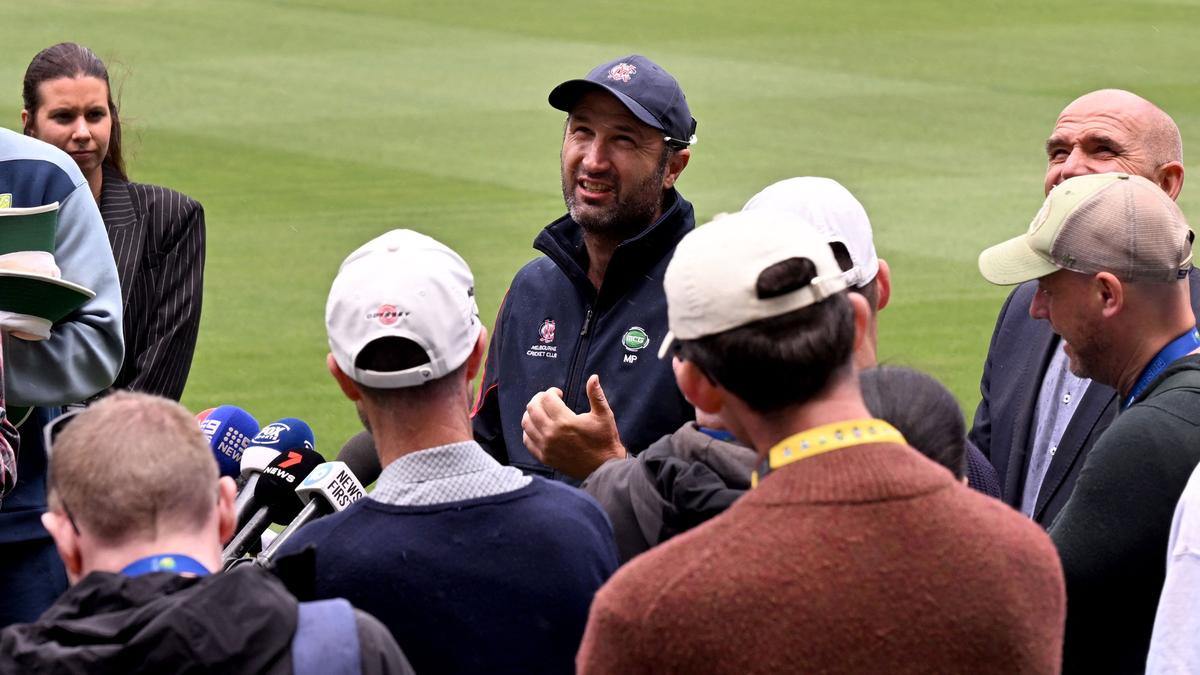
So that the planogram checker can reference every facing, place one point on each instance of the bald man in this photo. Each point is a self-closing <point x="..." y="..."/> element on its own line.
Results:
<point x="1036" y="420"/>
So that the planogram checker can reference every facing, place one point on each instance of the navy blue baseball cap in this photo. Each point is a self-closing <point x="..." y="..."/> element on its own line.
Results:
<point x="648" y="91"/>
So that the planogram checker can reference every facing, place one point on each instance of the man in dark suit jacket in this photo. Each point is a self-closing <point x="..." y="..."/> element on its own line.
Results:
<point x="1106" y="130"/>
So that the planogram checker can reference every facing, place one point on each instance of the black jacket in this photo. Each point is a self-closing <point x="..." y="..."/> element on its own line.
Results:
<point x="157" y="237"/>
<point x="555" y="329"/>
<point x="679" y="482"/>
<point x="1112" y="534"/>
<point x="241" y="621"/>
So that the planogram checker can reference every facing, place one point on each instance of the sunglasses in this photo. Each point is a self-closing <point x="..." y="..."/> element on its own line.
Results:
<point x="50" y="432"/>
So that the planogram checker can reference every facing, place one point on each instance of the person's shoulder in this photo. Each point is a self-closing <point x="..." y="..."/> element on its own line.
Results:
<point x="544" y="489"/>
<point x="554" y="504"/>
<point x="171" y="202"/>
<point x="324" y="528"/>
<point x="1166" y="413"/>
<point x="535" y="269"/>
<point x="984" y="526"/>
<point x="1014" y="313"/>
<point x="379" y="650"/>
<point x="658" y="584"/>
<point x="42" y="157"/>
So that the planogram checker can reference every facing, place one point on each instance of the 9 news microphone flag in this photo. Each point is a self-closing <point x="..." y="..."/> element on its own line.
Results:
<point x="228" y="430"/>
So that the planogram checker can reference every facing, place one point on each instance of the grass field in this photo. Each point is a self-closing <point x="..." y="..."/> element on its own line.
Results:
<point x="307" y="127"/>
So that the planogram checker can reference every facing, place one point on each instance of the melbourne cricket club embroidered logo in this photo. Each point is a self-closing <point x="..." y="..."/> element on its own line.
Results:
<point x="622" y="72"/>
<point x="543" y="349"/>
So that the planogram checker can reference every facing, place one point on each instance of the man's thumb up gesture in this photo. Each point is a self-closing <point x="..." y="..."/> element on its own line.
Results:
<point x="573" y="444"/>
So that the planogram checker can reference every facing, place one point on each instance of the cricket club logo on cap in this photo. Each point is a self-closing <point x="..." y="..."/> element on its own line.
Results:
<point x="622" y="72"/>
<point x="546" y="332"/>
<point x="386" y="314"/>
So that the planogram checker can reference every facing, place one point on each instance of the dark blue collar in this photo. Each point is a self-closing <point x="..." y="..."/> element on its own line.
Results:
<point x="1175" y="349"/>
<point x="168" y="562"/>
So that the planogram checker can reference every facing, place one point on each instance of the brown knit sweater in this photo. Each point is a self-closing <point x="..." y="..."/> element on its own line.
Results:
<point x="870" y="559"/>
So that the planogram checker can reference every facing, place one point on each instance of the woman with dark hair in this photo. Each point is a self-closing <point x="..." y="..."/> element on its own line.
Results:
<point x="928" y="416"/>
<point x="156" y="234"/>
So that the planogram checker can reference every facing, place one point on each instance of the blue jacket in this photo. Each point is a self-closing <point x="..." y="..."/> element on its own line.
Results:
<point x="555" y="329"/>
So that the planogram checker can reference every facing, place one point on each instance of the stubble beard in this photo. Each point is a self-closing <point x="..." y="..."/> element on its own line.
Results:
<point x="1087" y="360"/>
<point x="631" y="212"/>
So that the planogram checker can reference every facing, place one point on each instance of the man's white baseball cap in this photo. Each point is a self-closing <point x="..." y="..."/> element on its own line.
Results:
<point x="830" y="208"/>
<point x="408" y="285"/>
<point x="712" y="281"/>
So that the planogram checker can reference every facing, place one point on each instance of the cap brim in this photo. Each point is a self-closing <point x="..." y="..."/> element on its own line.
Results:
<point x="665" y="349"/>
<point x="565" y="95"/>
<point x="1013" y="262"/>
<point x="41" y="296"/>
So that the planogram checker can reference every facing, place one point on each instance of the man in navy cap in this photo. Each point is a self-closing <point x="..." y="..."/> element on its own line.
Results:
<point x="592" y="310"/>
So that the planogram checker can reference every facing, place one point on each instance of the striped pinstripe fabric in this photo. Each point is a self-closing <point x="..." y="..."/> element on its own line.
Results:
<point x="157" y="238"/>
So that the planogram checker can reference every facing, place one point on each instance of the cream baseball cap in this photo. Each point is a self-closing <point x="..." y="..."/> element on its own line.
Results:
<point x="403" y="284"/>
<point x="711" y="282"/>
<point x="1109" y="222"/>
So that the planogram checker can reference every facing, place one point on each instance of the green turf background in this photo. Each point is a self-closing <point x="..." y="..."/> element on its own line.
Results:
<point x="307" y="127"/>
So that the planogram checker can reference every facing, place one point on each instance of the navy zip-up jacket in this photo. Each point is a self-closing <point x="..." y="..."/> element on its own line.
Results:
<point x="554" y="329"/>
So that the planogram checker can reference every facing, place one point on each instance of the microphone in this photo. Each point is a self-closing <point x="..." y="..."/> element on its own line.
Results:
<point x="331" y="487"/>
<point x="275" y="492"/>
<point x="360" y="455"/>
<point x="288" y="433"/>
<point x="255" y="460"/>
<point x="228" y="430"/>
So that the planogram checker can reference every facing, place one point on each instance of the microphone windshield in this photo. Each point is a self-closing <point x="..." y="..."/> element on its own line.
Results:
<point x="276" y="488"/>
<point x="360" y="456"/>
<point x="228" y="430"/>
<point x="288" y="433"/>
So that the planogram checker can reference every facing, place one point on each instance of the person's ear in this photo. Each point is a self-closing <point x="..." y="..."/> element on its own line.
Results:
<point x="862" y="319"/>
<point x="1169" y="177"/>
<point x="349" y="387"/>
<point x="696" y="387"/>
<point x="66" y="541"/>
<point x="676" y="163"/>
<point x="226" y="508"/>
<point x="475" y="360"/>
<point x="883" y="285"/>
<point x="25" y="121"/>
<point x="1110" y="293"/>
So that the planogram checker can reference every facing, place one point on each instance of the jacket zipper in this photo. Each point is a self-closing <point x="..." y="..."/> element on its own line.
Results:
<point x="570" y="389"/>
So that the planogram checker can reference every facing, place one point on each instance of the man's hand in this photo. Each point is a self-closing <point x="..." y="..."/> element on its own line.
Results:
<point x="573" y="444"/>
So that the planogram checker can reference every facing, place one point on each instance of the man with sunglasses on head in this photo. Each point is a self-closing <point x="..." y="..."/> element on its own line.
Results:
<point x="138" y="513"/>
<point x="570" y="380"/>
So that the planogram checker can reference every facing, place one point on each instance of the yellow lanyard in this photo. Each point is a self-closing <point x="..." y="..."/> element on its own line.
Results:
<point x="826" y="439"/>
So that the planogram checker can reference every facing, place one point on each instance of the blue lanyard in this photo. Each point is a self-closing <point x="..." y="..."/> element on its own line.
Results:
<point x="1180" y="346"/>
<point x="168" y="562"/>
